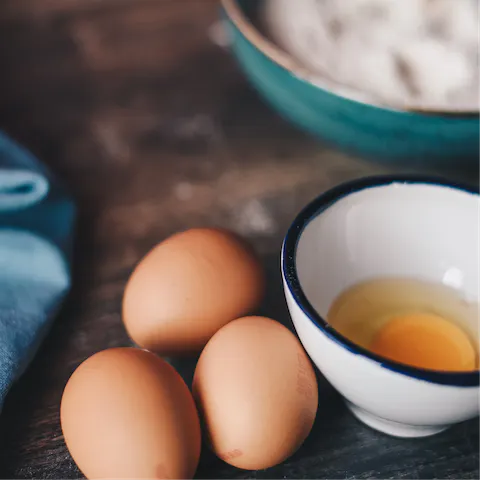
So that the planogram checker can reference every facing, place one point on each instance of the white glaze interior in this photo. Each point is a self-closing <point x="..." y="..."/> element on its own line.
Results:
<point x="421" y="231"/>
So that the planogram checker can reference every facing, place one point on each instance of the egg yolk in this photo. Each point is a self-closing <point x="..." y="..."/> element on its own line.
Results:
<point x="427" y="341"/>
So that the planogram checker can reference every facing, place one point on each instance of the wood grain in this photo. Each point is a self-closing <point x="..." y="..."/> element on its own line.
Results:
<point x="154" y="129"/>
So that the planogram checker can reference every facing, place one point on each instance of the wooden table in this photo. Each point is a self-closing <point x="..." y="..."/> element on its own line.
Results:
<point x="154" y="129"/>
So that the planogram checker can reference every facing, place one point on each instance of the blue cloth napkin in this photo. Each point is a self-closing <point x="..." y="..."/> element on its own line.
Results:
<point x="36" y="227"/>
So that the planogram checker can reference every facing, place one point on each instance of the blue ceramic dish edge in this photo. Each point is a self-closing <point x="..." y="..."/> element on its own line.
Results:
<point x="355" y="126"/>
<point x="310" y="212"/>
<point x="468" y="114"/>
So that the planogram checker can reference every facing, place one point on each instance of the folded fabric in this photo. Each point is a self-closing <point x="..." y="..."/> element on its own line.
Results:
<point x="36" y="228"/>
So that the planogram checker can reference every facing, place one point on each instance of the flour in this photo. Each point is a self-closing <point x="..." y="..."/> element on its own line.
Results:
<point x="421" y="53"/>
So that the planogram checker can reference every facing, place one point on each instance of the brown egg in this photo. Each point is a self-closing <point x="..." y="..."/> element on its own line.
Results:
<point x="126" y="413"/>
<point x="257" y="393"/>
<point x="188" y="287"/>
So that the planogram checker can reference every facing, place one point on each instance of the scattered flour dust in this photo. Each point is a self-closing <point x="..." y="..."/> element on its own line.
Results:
<point x="184" y="191"/>
<point x="421" y="53"/>
<point x="218" y="34"/>
<point x="254" y="218"/>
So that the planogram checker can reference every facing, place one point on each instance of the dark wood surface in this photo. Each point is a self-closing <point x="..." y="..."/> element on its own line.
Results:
<point x="154" y="129"/>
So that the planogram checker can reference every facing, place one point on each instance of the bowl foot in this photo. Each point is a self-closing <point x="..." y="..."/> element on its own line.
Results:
<point x="394" y="428"/>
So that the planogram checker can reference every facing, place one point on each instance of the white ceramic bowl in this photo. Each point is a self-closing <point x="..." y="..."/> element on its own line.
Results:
<point x="377" y="227"/>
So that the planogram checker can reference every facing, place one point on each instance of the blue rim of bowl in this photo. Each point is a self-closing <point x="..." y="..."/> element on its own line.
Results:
<point x="289" y="270"/>
<point x="235" y="14"/>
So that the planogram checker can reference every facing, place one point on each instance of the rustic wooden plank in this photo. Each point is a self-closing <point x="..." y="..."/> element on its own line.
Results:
<point x="50" y="9"/>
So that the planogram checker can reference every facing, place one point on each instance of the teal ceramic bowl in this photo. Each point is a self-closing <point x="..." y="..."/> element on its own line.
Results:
<point x="365" y="127"/>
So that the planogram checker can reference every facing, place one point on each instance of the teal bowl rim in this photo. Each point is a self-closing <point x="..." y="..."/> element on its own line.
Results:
<point x="235" y="14"/>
